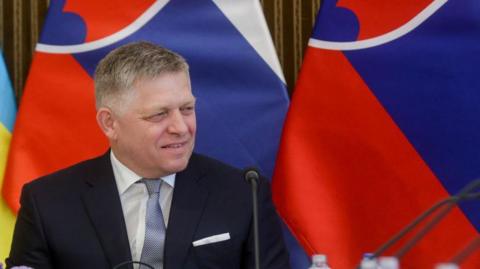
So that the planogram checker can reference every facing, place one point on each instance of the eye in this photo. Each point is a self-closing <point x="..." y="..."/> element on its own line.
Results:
<point x="186" y="110"/>
<point x="156" y="117"/>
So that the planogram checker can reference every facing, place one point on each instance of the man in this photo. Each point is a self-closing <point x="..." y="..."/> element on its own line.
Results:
<point x="149" y="198"/>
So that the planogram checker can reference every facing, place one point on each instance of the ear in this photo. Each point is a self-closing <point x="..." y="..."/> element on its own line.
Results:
<point x="106" y="121"/>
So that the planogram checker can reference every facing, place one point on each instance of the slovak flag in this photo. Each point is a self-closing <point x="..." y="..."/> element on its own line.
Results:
<point x="384" y="122"/>
<point x="236" y="78"/>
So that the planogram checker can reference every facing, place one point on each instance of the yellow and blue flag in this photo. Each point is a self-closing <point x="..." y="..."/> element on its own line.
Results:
<point x="7" y="118"/>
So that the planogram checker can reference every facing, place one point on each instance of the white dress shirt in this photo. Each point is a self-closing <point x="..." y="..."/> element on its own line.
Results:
<point x="134" y="203"/>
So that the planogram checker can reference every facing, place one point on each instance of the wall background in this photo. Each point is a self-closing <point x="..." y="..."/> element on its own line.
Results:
<point x="290" y="23"/>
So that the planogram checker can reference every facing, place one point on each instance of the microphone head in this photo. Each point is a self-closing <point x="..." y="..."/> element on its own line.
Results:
<point x="251" y="174"/>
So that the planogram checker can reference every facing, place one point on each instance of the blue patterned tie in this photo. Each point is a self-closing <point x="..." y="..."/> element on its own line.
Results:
<point x="152" y="252"/>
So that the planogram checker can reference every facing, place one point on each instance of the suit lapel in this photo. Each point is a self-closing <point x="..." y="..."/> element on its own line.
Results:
<point x="104" y="208"/>
<point x="189" y="198"/>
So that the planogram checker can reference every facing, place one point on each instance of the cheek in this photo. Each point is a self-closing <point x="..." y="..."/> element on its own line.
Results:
<point x="156" y="133"/>
<point x="192" y="124"/>
<point x="193" y="128"/>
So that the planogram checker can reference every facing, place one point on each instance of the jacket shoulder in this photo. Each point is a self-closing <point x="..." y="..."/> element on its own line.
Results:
<point x="221" y="174"/>
<point x="73" y="175"/>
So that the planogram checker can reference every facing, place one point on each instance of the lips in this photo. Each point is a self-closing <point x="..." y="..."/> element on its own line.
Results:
<point x="174" y="145"/>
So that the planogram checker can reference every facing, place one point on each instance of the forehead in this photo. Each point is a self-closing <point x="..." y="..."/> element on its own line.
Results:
<point x="174" y="80"/>
<point x="166" y="89"/>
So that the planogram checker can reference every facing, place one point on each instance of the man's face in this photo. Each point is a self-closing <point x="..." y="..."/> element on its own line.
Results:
<point x="154" y="132"/>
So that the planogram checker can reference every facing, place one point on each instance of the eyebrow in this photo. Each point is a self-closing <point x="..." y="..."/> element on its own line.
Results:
<point x="149" y="110"/>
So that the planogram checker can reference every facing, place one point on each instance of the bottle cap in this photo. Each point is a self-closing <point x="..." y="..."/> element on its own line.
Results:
<point x="319" y="258"/>
<point x="446" y="266"/>
<point x="388" y="262"/>
<point x="368" y="255"/>
<point x="368" y="264"/>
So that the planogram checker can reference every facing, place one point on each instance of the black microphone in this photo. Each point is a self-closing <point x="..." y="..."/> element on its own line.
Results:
<point x="122" y="264"/>
<point x="466" y="193"/>
<point x="251" y="176"/>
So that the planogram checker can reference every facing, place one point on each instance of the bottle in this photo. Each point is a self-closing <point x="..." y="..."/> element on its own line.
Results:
<point x="388" y="263"/>
<point x="368" y="261"/>
<point x="446" y="266"/>
<point x="319" y="261"/>
<point x="368" y="264"/>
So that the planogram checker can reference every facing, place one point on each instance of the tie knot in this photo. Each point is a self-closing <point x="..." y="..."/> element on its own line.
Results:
<point x="153" y="185"/>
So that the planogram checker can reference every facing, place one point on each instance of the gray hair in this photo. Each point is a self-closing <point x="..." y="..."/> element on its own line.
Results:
<point x="117" y="72"/>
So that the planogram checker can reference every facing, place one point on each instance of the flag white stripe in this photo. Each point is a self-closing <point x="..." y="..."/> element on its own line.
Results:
<point x="383" y="39"/>
<point x="106" y="41"/>
<point x="254" y="29"/>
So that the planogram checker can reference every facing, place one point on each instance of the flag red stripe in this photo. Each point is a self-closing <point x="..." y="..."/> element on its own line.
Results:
<point x="118" y="14"/>
<point x="379" y="16"/>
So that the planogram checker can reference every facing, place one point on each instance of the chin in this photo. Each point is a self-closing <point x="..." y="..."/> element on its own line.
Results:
<point x="177" y="167"/>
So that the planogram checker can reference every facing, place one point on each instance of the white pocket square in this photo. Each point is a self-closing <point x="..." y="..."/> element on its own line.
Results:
<point x="211" y="239"/>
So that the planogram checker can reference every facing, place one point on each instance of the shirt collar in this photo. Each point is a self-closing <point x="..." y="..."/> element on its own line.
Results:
<point x="125" y="177"/>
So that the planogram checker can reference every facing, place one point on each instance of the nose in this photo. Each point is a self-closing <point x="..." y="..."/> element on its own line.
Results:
<point x="177" y="124"/>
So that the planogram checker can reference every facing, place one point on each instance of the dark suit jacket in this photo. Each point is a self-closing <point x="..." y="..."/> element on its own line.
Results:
<point x="73" y="219"/>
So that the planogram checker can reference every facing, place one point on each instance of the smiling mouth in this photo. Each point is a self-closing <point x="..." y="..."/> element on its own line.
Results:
<point x="174" y="146"/>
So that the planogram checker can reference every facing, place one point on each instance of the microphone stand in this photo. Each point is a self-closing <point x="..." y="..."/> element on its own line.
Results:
<point x="468" y="250"/>
<point x="463" y="194"/>
<point x="255" y="227"/>
<point x="427" y="228"/>
<point x="251" y="176"/>
<point x="433" y="222"/>
<point x="412" y="225"/>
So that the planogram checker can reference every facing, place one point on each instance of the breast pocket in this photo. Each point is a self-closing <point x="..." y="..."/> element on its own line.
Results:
<point x="215" y="254"/>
